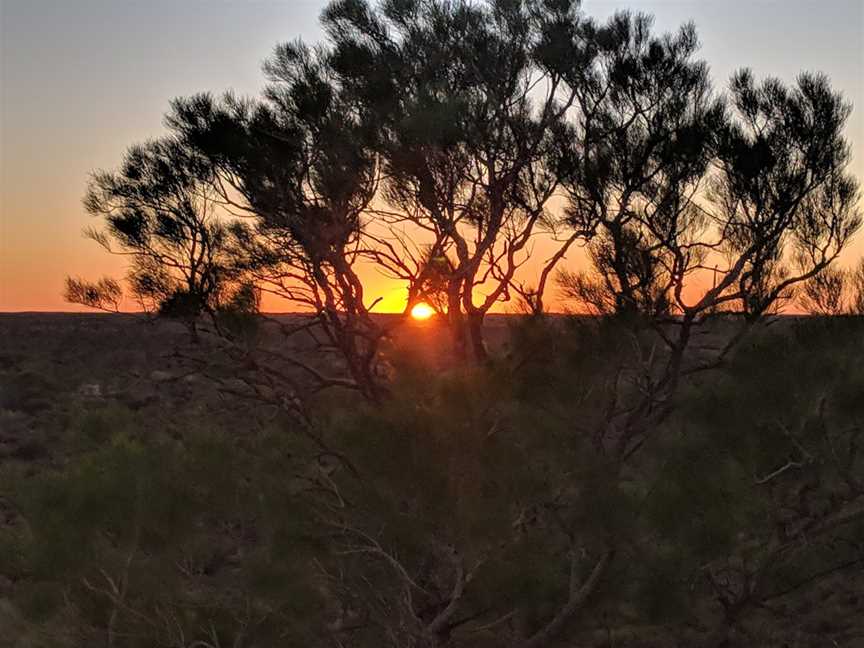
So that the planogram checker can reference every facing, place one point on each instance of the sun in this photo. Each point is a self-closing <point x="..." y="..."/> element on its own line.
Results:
<point x="422" y="311"/>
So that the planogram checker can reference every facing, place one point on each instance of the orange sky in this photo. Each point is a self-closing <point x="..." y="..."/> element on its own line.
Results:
<point x="80" y="81"/>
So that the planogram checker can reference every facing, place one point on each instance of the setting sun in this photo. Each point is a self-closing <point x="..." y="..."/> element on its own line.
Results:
<point x="422" y="311"/>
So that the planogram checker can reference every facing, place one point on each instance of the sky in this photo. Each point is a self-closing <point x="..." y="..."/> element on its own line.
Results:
<point x="82" y="80"/>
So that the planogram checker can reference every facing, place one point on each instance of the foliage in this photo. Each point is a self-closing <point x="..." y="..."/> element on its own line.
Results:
<point x="299" y="162"/>
<point x="104" y="294"/>
<point x="459" y="511"/>
<point x="144" y="541"/>
<point x="678" y="463"/>
<point x="834" y="291"/>
<point x="437" y="140"/>
<point x="161" y="211"/>
<point x="467" y="121"/>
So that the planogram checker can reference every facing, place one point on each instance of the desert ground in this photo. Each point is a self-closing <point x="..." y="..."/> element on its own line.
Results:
<point x="58" y="369"/>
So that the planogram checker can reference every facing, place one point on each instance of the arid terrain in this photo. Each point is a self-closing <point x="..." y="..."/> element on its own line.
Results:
<point x="56" y="370"/>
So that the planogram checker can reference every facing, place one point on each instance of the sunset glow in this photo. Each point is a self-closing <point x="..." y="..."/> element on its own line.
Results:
<point x="49" y="48"/>
<point x="422" y="311"/>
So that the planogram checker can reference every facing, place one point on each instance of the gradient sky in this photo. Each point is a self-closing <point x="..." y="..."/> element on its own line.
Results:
<point x="81" y="80"/>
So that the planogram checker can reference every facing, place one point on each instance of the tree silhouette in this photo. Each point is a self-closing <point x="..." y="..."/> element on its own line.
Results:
<point x="160" y="211"/>
<point x="834" y="291"/>
<point x="639" y="147"/>
<point x="467" y="122"/>
<point x="105" y="294"/>
<point x="299" y="163"/>
<point x="824" y="293"/>
<point x="787" y="205"/>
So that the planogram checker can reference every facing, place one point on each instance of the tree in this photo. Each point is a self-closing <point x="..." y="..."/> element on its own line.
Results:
<point x="160" y="212"/>
<point x="758" y="189"/>
<point x="671" y="179"/>
<point x="662" y="178"/>
<point x="105" y="294"/>
<point x="788" y="207"/>
<point x="857" y="288"/>
<point x="824" y="293"/>
<point x="640" y="145"/>
<point x="297" y="162"/>
<point x="595" y="481"/>
<point x="467" y="122"/>
<point x="834" y="291"/>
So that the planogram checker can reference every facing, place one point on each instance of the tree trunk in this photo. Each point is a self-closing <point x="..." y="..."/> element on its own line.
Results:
<point x="456" y="322"/>
<point x="479" y="353"/>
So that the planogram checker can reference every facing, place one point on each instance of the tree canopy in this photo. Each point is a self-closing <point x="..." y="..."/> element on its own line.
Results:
<point x="437" y="142"/>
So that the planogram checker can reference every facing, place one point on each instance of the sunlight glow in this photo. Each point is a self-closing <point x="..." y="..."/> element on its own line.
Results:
<point x="422" y="311"/>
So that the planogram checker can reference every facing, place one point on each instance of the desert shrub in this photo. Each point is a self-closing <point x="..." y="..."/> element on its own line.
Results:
<point x="497" y="471"/>
<point x="488" y="489"/>
<point x="145" y="540"/>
